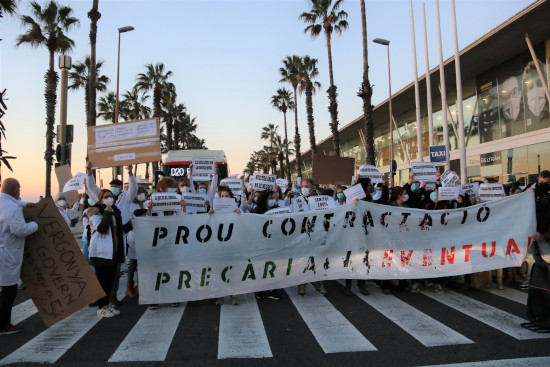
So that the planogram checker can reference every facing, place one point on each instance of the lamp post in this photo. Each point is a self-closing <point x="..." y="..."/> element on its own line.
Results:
<point x="384" y="42"/>
<point x="65" y="66"/>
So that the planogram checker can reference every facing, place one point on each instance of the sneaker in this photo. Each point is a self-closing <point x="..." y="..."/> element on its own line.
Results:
<point x="175" y="304"/>
<point x="274" y="295"/>
<point x="524" y="286"/>
<point x="113" y="310"/>
<point x="322" y="289"/>
<point x="12" y="329"/>
<point x="438" y="288"/>
<point x="152" y="307"/>
<point x="105" y="312"/>
<point x="415" y="287"/>
<point x="302" y="289"/>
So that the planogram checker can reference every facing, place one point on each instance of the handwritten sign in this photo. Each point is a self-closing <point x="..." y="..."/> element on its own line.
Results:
<point x="234" y="184"/>
<point x="320" y="202"/>
<point x="279" y="211"/>
<point x="424" y="171"/>
<point x="369" y="171"/>
<point x="264" y="182"/>
<point x="354" y="192"/>
<point x="299" y="204"/>
<point x="449" y="179"/>
<point x="195" y="203"/>
<point x="224" y="205"/>
<point x="54" y="271"/>
<point x="491" y="191"/>
<point x="448" y="193"/>
<point x="163" y="201"/>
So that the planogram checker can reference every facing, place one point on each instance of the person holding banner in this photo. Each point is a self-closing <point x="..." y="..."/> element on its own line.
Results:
<point x="106" y="246"/>
<point x="339" y="197"/>
<point x="13" y="230"/>
<point x="267" y="200"/>
<point x="417" y="192"/>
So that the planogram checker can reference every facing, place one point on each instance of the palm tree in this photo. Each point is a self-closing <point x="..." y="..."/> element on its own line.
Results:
<point x="47" y="29"/>
<point x="282" y="101"/>
<point x="106" y="106"/>
<point x="365" y="92"/>
<point x="132" y="105"/>
<point x="180" y="118"/>
<point x="3" y="158"/>
<point x="80" y="77"/>
<point x="323" y="17"/>
<point x="279" y="149"/>
<point x="8" y="7"/>
<point x="94" y="16"/>
<point x="269" y="132"/>
<point x="292" y="73"/>
<point x="310" y="72"/>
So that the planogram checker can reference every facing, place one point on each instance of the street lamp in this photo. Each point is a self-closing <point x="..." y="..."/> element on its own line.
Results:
<point x="120" y="30"/>
<point x="384" y="42"/>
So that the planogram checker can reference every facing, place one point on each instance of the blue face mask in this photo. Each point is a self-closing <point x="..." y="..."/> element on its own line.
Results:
<point x="271" y="203"/>
<point x="377" y="195"/>
<point x="340" y="196"/>
<point x="171" y="190"/>
<point x="415" y="187"/>
<point x="115" y="191"/>
<point x="433" y="196"/>
<point x="91" y="202"/>
<point x="202" y="191"/>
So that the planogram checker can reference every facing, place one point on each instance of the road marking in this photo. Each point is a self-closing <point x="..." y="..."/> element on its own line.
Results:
<point x="489" y="315"/>
<point x="531" y="362"/>
<point x="509" y="293"/>
<point x="53" y="342"/>
<point x="23" y="311"/>
<point x="242" y="332"/>
<point x="151" y="337"/>
<point x="420" y="326"/>
<point x="334" y="333"/>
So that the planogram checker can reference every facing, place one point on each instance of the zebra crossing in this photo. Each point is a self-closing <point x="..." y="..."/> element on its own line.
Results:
<point x="242" y="333"/>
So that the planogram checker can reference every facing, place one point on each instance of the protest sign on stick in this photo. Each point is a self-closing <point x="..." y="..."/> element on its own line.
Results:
<point x="54" y="271"/>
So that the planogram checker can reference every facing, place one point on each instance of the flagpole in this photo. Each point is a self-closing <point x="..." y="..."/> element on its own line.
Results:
<point x="460" y="114"/>
<point x="416" y="92"/>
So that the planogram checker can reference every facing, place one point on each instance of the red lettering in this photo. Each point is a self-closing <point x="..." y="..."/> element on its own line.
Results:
<point x="405" y="259"/>
<point x="484" y="249"/>
<point x="427" y="259"/>
<point x="388" y="254"/>
<point x="512" y="243"/>
<point x="467" y="249"/>
<point x="450" y="255"/>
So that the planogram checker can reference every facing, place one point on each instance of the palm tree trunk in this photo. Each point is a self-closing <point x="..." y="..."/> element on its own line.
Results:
<point x="333" y="103"/>
<point x="286" y="151"/>
<point x="50" y="95"/>
<point x="94" y="16"/>
<point x="169" y="128"/>
<point x="297" y="138"/>
<point x="281" y="158"/>
<point x="310" y="120"/>
<point x="365" y="92"/>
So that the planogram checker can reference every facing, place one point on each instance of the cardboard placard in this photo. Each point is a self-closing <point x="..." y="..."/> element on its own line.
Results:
<point x="491" y="191"/>
<point x="328" y="169"/>
<point x="449" y="179"/>
<point x="203" y="167"/>
<point x="370" y="171"/>
<point x="424" y="171"/>
<point x="264" y="182"/>
<point x="195" y="203"/>
<point x="54" y="271"/>
<point x="124" y="143"/>
<point x="163" y="201"/>
<point x="224" y="205"/>
<point x="234" y="184"/>
<point x="448" y="193"/>
<point x="63" y="174"/>
<point x="471" y="189"/>
<point x="299" y="204"/>
<point x="354" y="192"/>
<point x="321" y="202"/>
<point x="279" y="211"/>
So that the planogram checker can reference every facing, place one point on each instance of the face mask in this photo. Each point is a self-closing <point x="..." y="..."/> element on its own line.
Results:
<point x="455" y="205"/>
<point x="536" y="100"/>
<point x="61" y="203"/>
<point x="109" y="201"/>
<point x="305" y="191"/>
<point x="415" y="187"/>
<point x="141" y="197"/>
<point x="255" y="198"/>
<point x="511" y="99"/>
<point x="377" y="195"/>
<point x="433" y="196"/>
<point x="171" y="190"/>
<point x="271" y="203"/>
<point x="202" y="191"/>
<point x="185" y="189"/>
<point x="406" y="198"/>
<point x="115" y="191"/>
<point x="340" y="196"/>
<point x="91" y="202"/>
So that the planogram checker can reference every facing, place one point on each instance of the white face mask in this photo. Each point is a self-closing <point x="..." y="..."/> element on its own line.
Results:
<point x="61" y="203"/>
<point x="406" y="198"/>
<point x="511" y="99"/>
<point x="536" y="100"/>
<point x="109" y="201"/>
<point x="306" y="191"/>
<point x="141" y="197"/>
<point x="185" y="189"/>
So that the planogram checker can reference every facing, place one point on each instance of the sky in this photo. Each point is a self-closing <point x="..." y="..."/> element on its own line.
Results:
<point x="225" y="57"/>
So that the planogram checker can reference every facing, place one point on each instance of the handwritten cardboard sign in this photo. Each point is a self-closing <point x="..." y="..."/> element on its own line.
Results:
<point x="124" y="143"/>
<point x="195" y="203"/>
<point x="54" y="271"/>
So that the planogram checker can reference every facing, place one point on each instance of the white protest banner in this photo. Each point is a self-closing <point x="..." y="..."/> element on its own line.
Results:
<point x="424" y="171"/>
<point x="449" y="179"/>
<point x="448" y="193"/>
<point x="472" y="190"/>
<point x="234" y="184"/>
<point x="75" y="183"/>
<point x="203" y="167"/>
<point x="264" y="182"/>
<point x="195" y="203"/>
<point x="282" y="183"/>
<point x="491" y="191"/>
<point x="163" y="201"/>
<point x="354" y="192"/>
<point x="320" y="202"/>
<point x="279" y="211"/>
<point x="370" y="171"/>
<point x="299" y="204"/>
<point x="217" y="255"/>
<point x="224" y="205"/>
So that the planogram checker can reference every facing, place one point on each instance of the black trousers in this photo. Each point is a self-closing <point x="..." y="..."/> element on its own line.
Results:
<point x="105" y="276"/>
<point x="7" y="297"/>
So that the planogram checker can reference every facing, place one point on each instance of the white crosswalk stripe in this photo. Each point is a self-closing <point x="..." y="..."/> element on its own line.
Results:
<point x="509" y="293"/>
<point x="333" y="332"/>
<point x="531" y="362"/>
<point x="23" y="311"/>
<point x="489" y="315"/>
<point x="420" y="326"/>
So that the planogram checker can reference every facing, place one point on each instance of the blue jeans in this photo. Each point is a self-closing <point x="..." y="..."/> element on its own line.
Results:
<point x="85" y="251"/>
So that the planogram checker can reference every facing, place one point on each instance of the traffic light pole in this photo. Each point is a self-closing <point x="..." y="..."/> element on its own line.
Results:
<point x="64" y="65"/>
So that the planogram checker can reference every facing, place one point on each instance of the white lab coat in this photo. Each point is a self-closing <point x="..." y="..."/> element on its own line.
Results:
<point x="124" y="199"/>
<point x="13" y="230"/>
